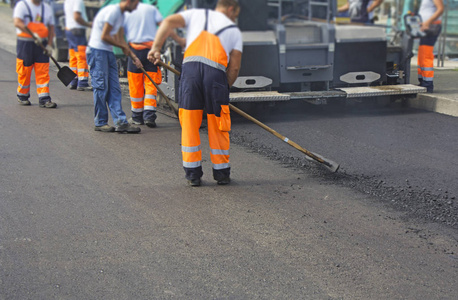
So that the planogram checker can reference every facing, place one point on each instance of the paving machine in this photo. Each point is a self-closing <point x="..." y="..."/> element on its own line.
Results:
<point x="295" y="50"/>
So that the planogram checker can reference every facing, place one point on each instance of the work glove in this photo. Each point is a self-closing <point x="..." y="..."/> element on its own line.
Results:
<point x="37" y="39"/>
<point x="49" y="49"/>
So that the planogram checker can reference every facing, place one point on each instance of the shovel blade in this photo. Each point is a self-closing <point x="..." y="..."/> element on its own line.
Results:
<point x="66" y="75"/>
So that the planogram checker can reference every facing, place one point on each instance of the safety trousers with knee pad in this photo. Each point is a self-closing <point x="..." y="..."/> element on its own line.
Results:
<point x="426" y="61"/>
<point x="77" y="45"/>
<point x="202" y="86"/>
<point x="30" y="57"/>
<point x="143" y="93"/>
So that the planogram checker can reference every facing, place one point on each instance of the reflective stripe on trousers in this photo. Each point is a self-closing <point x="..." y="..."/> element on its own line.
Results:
<point x="426" y="60"/>
<point x="142" y="92"/>
<point x="77" y="59"/>
<point x="30" y="57"/>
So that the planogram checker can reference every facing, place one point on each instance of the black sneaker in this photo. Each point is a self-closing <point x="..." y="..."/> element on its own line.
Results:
<point x="23" y="102"/>
<point x="195" y="182"/>
<point x="127" y="128"/>
<point x="48" y="104"/>
<point x="72" y="87"/>
<point x="104" y="128"/>
<point x="150" y="123"/>
<point x="224" y="181"/>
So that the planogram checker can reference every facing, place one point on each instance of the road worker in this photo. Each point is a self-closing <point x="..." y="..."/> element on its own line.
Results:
<point x="38" y="18"/>
<point x="140" y="29"/>
<point x="76" y="22"/>
<point x="211" y="64"/>
<point x="360" y="11"/>
<point x="430" y="12"/>
<point x="107" y="31"/>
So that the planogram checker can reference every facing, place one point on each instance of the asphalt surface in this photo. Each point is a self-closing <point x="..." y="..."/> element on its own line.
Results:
<point x="405" y="157"/>
<point x="89" y="215"/>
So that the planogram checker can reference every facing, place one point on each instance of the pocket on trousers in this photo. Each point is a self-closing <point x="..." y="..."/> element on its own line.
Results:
<point x="224" y="121"/>
<point x="220" y="94"/>
<point x="98" y="80"/>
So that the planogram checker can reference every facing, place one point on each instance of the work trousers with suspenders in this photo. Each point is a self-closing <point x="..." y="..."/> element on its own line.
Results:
<point x="426" y="60"/>
<point x="31" y="56"/>
<point x="77" y="44"/>
<point x="203" y="85"/>
<point x="143" y="93"/>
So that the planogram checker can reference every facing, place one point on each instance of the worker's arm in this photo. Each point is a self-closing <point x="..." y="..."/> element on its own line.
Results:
<point x="440" y="9"/>
<point x="18" y="23"/>
<point x="118" y="41"/>
<point x="374" y="5"/>
<point x="167" y="27"/>
<point x="235" y="61"/>
<point x="79" y="19"/>
<point x="344" y="7"/>
<point x="114" y="40"/>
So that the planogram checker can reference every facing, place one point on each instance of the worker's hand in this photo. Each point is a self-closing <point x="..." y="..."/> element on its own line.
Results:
<point x="137" y="62"/>
<point x="425" y="26"/>
<point x="182" y="42"/>
<point x="37" y="39"/>
<point x="154" y="56"/>
<point x="49" y="49"/>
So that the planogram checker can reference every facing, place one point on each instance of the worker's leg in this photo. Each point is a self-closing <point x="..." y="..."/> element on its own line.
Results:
<point x="219" y="122"/>
<point x="191" y="107"/>
<point x="42" y="77"/>
<point x="24" y="67"/>
<point x="72" y="58"/>
<point x="136" y="91"/>
<point x="114" y="92"/>
<point x="98" y="67"/>
<point x="149" y="113"/>
<point x="426" y="61"/>
<point x="83" y="69"/>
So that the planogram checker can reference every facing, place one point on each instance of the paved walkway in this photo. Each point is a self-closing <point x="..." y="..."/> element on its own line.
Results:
<point x="444" y="100"/>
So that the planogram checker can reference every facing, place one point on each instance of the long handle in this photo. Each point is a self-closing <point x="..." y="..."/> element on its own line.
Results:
<point x="43" y="47"/>
<point x="161" y="92"/>
<point x="332" y="166"/>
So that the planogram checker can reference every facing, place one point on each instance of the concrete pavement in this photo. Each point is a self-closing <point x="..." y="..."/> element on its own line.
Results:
<point x="444" y="100"/>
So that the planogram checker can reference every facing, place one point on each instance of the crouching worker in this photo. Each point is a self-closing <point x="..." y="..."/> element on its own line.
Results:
<point x="211" y="64"/>
<point x="38" y="18"/>
<point x="107" y="32"/>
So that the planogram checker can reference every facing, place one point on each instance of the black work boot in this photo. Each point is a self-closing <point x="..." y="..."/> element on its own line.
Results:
<point x="195" y="182"/>
<point x="127" y="128"/>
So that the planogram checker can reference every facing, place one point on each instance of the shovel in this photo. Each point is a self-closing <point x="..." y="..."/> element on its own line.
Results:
<point x="329" y="164"/>
<point x="65" y="74"/>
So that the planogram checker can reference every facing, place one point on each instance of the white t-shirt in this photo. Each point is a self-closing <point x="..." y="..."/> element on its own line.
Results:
<point x="112" y="15"/>
<point x="427" y="9"/>
<point x="230" y="38"/>
<point x="141" y="24"/>
<point x="21" y="11"/>
<point x="70" y="7"/>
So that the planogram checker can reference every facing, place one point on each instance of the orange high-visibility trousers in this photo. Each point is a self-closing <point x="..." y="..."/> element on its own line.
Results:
<point x="426" y="61"/>
<point x="143" y="93"/>
<point x="77" y="58"/>
<point x="30" y="57"/>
